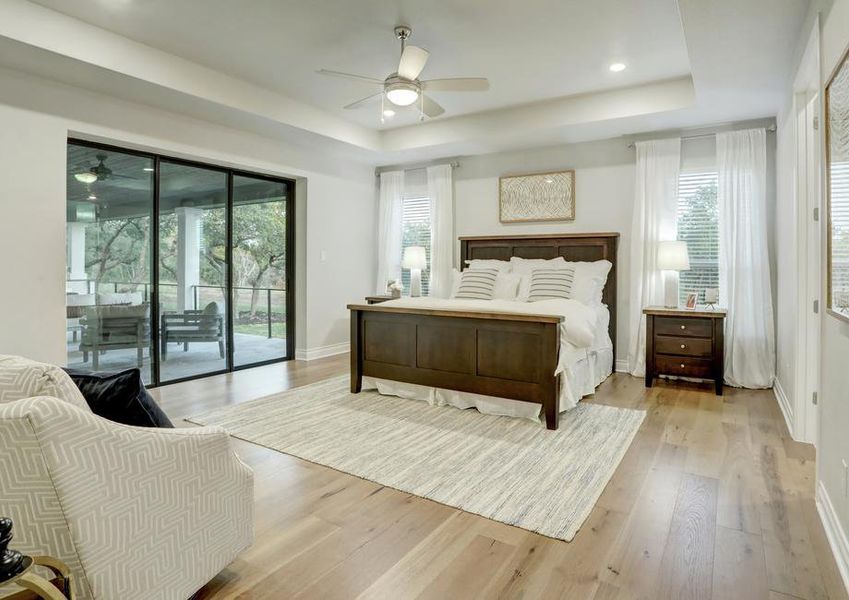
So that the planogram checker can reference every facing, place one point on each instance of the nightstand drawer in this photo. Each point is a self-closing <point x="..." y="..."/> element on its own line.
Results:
<point x="683" y="326"/>
<point x="684" y="365"/>
<point x="667" y="344"/>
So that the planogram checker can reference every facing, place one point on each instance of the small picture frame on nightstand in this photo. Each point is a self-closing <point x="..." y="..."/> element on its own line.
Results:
<point x="692" y="299"/>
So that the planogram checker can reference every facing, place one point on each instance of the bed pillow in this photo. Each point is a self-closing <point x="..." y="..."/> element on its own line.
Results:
<point x="503" y="266"/>
<point x="590" y="278"/>
<point x="477" y="284"/>
<point x="506" y="285"/>
<point x="549" y="284"/>
<point x="524" y="266"/>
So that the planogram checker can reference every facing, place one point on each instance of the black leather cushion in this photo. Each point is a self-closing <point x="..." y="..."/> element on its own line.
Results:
<point x="120" y="396"/>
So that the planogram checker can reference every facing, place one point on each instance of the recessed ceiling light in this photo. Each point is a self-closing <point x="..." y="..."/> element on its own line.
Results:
<point x="388" y="113"/>
<point x="148" y="169"/>
<point x="617" y="67"/>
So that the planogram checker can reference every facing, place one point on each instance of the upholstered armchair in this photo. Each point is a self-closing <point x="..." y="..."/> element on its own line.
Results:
<point x="134" y="512"/>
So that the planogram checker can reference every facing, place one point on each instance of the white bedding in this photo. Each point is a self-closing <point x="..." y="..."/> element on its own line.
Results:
<point x="586" y="355"/>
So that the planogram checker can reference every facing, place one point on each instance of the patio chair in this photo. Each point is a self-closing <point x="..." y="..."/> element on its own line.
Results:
<point x="114" y="327"/>
<point x="205" y="325"/>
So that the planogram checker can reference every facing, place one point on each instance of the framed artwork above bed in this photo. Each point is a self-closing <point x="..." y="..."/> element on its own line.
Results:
<point x="537" y="197"/>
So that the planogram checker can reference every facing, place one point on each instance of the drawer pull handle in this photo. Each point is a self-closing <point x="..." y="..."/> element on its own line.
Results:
<point x="682" y="365"/>
<point x="683" y="327"/>
<point x="683" y="346"/>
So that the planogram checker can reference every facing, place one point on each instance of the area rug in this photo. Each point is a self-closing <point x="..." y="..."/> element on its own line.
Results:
<point x="510" y="470"/>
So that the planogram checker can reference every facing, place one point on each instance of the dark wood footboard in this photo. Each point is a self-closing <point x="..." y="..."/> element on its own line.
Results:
<point x="495" y="354"/>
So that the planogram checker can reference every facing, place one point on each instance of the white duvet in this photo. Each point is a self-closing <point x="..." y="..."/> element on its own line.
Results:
<point x="577" y="329"/>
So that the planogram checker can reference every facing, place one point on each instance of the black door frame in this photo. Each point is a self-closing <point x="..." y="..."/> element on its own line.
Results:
<point x="153" y="352"/>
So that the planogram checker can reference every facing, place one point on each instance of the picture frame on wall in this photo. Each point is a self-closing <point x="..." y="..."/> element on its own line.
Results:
<point x="837" y="202"/>
<point x="537" y="197"/>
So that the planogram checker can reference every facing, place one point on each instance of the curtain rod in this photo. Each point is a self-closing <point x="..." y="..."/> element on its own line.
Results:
<point x="454" y="164"/>
<point x="770" y="129"/>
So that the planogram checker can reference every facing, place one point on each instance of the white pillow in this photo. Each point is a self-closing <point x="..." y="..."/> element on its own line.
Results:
<point x="506" y="285"/>
<point x="524" y="266"/>
<point x="590" y="278"/>
<point x="503" y="266"/>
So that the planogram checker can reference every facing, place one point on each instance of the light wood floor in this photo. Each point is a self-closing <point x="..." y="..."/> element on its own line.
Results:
<point x="712" y="500"/>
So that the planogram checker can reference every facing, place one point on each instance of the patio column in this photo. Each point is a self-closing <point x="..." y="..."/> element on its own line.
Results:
<point x="76" y="258"/>
<point x="188" y="255"/>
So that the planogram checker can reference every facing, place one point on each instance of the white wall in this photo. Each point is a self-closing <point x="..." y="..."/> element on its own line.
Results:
<point x="833" y="446"/>
<point x="36" y="118"/>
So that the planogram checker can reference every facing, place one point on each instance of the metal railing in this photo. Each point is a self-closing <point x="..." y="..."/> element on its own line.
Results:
<point x="91" y="287"/>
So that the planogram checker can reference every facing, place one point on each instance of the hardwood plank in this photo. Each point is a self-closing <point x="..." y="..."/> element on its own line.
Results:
<point x="790" y="560"/>
<point x="687" y="566"/>
<point x="467" y="576"/>
<point x="739" y="568"/>
<point x="741" y="488"/>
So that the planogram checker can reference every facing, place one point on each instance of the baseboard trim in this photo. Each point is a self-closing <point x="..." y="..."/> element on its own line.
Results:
<point x="322" y="351"/>
<point x="834" y="532"/>
<point x="622" y="365"/>
<point x="785" y="406"/>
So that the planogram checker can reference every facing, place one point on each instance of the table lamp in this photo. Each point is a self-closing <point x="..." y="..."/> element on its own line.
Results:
<point x="415" y="259"/>
<point x="671" y="258"/>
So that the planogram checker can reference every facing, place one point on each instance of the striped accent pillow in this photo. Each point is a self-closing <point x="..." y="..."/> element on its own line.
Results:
<point x="551" y="283"/>
<point x="477" y="284"/>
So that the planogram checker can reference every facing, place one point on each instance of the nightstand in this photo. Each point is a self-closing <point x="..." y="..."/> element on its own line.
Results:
<point x="379" y="299"/>
<point x="685" y="343"/>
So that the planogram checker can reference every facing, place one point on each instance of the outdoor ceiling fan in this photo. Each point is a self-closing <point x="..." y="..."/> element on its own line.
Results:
<point x="98" y="172"/>
<point x="404" y="88"/>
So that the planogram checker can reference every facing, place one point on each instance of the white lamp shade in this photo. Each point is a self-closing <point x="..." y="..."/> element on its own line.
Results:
<point x="673" y="256"/>
<point x="415" y="257"/>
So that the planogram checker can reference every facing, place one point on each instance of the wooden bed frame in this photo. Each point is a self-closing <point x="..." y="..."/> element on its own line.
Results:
<point x="495" y="354"/>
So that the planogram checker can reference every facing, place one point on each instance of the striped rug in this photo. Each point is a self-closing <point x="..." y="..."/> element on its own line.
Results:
<point x="510" y="470"/>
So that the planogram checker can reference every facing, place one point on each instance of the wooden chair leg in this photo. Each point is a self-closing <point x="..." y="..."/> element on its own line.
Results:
<point x="221" y="348"/>
<point x="185" y="346"/>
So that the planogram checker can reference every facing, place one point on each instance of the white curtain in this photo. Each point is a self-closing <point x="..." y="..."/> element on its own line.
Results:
<point x="655" y="220"/>
<point x="744" y="260"/>
<point x="440" y="190"/>
<point x="389" y="225"/>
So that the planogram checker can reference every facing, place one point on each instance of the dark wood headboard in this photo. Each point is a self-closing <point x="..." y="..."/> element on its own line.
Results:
<point x="571" y="246"/>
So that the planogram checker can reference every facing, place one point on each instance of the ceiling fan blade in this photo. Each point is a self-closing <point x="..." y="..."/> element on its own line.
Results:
<point x="431" y="107"/>
<point x="413" y="60"/>
<point x="457" y="84"/>
<point x="363" y="101"/>
<point x="350" y="76"/>
<point x="122" y="176"/>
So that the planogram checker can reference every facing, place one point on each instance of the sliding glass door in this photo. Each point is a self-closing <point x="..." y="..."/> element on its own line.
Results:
<point x="193" y="268"/>
<point x="260" y="294"/>
<point x="110" y="198"/>
<point x="179" y="268"/>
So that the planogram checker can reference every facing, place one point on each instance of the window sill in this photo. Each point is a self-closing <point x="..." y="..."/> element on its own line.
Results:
<point x="837" y="315"/>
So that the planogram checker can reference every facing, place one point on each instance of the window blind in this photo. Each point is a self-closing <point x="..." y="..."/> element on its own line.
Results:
<point x="839" y="183"/>
<point x="698" y="225"/>
<point x="415" y="221"/>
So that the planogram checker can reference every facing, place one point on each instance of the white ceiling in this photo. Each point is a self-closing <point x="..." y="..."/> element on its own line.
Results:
<point x="530" y="50"/>
<point x="690" y="63"/>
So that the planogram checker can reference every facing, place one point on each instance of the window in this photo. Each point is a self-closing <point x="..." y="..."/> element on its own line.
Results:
<point x="415" y="221"/>
<point x="839" y="216"/>
<point x="698" y="225"/>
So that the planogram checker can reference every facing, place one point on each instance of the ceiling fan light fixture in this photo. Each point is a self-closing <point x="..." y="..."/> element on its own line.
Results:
<point x="388" y="113"/>
<point x="617" y="67"/>
<point x="85" y="177"/>
<point x="402" y="93"/>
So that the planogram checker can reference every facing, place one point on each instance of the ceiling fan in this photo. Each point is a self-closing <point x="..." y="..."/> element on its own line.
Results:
<point x="98" y="172"/>
<point x="404" y="87"/>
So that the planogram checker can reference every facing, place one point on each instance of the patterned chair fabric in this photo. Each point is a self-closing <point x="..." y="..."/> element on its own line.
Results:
<point x="24" y="378"/>
<point x="134" y="512"/>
